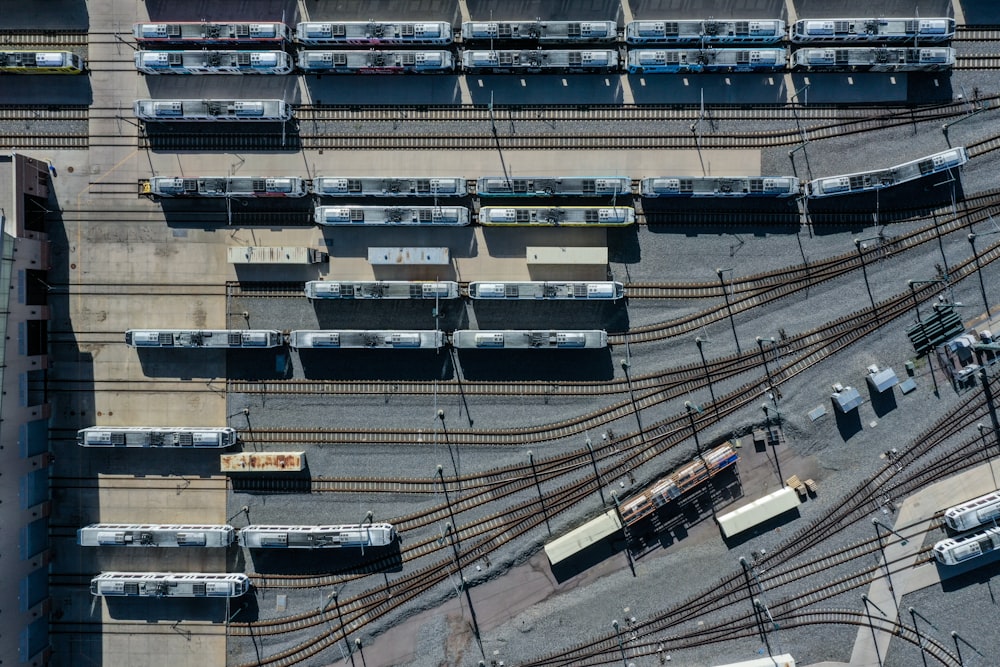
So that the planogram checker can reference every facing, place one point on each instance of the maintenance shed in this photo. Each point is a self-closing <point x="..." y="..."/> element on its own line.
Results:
<point x="881" y="380"/>
<point x="846" y="399"/>
<point x="580" y="538"/>
<point x="757" y="512"/>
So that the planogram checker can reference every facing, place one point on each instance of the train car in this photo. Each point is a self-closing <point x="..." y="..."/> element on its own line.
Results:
<point x="553" y="186"/>
<point x="694" y="31"/>
<point x="363" y="535"/>
<point x="224" y="338"/>
<point x="227" y="186"/>
<point x="870" y="59"/>
<point x="558" y="216"/>
<point x="218" y="437"/>
<point x="331" y="216"/>
<point x="364" y="338"/>
<point x="40" y="62"/>
<point x="511" y="339"/>
<point x="381" y="289"/>
<point x="375" y="62"/>
<point x="410" y="186"/>
<point x="868" y="181"/>
<point x="671" y="487"/>
<point x="212" y="110"/>
<point x="543" y="32"/>
<point x="204" y="32"/>
<point x="263" y="462"/>
<point x="735" y="186"/>
<point x="587" y="291"/>
<point x="880" y="30"/>
<point x="170" y="584"/>
<point x="974" y="513"/>
<point x="759" y="511"/>
<point x="661" y="61"/>
<point x="783" y="660"/>
<point x="213" y="62"/>
<point x="955" y="550"/>
<point x="373" y="33"/>
<point x="535" y="61"/>
<point x="154" y="535"/>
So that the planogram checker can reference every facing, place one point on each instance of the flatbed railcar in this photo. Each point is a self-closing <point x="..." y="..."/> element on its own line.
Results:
<point x="882" y="30"/>
<point x="375" y="62"/>
<point x="695" y="31"/>
<point x="366" y="339"/>
<point x="868" y="181"/>
<point x="391" y="215"/>
<point x="553" y="186"/>
<point x="955" y="550"/>
<point x="586" y="291"/>
<point x="511" y="339"/>
<point x="157" y="436"/>
<point x="564" y="216"/>
<point x="373" y="33"/>
<point x="213" y="62"/>
<point x="40" y="62"/>
<point x="227" y="186"/>
<point x="342" y="186"/>
<point x="381" y="289"/>
<point x="752" y="186"/>
<point x="974" y="513"/>
<point x="669" y="61"/>
<point x="536" y="61"/>
<point x="205" y="32"/>
<point x="543" y="32"/>
<point x="212" y="110"/>
<point x="218" y="338"/>
<point x="869" y="59"/>
<point x="680" y="481"/>
<point x="317" y="537"/>
<point x="170" y="584"/>
<point x="154" y="535"/>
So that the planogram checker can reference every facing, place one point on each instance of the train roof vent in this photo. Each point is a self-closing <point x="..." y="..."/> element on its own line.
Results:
<point x="118" y="439"/>
<point x="185" y="439"/>
<point x="235" y="339"/>
<point x="131" y="588"/>
<point x="581" y="290"/>
<point x="199" y="588"/>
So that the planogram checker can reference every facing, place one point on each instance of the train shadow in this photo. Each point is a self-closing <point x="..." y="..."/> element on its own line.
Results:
<point x="698" y="215"/>
<point x="373" y="89"/>
<point x="327" y="561"/>
<point x="210" y="214"/>
<point x="853" y="88"/>
<point x="245" y="609"/>
<point x="212" y="610"/>
<point x="210" y="137"/>
<point x="764" y="527"/>
<point x="513" y="365"/>
<point x="385" y="365"/>
<point x="740" y="88"/>
<point x="976" y="571"/>
<point x="551" y="314"/>
<point x="416" y="314"/>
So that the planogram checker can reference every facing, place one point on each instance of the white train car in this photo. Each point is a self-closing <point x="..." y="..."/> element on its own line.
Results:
<point x="557" y="216"/>
<point x="783" y="660"/>
<point x="331" y="216"/>
<point x="375" y="62"/>
<point x="695" y="31"/>
<point x="176" y="111"/>
<point x="880" y="30"/>
<point x="363" y="535"/>
<point x="381" y="289"/>
<point x="579" y="290"/>
<point x="341" y="186"/>
<point x="204" y="32"/>
<point x="536" y="61"/>
<point x="510" y="339"/>
<point x="373" y="33"/>
<point x="170" y="584"/>
<point x="218" y="437"/>
<point x="553" y="186"/>
<point x="869" y="59"/>
<point x="219" y="338"/>
<point x="955" y="550"/>
<point x="213" y="62"/>
<point x="974" y="513"/>
<point x="367" y="339"/>
<point x="154" y="535"/>
<point x="543" y="32"/>
<point x="868" y="181"/>
<point x="751" y="186"/>
<point x="670" y="61"/>
<point x="759" y="511"/>
<point x="227" y="186"/>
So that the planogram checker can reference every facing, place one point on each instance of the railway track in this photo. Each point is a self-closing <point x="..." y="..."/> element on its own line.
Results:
<point x="63" y="38"/>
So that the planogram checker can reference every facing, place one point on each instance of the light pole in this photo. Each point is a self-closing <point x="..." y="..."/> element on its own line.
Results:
<point x="368" y="517"/>
<point x="868" y="613"/>
<point x="762" y="606"/>
<point x="538" y="487"/>
<point x="885" y="561"/>
<point x="916" y="309"/>
<point x="699" y="341"/>
<point x="756" y="612"/>
<point x="697" y="445"/>
<point x="975" y="255"/>
<point x="597" y="474"/>
<point x="920" y="640"/>
<point x="449" y="529"/>
<point x="621" y="646"/>
<point x="774" y="447"/>
<point x="447" y="500"/>
<point x="859" y="244"/>
<point x="360" y="649"/>
<point x="767" y="369"/>
<point x="729" y="308"/>
<point x="340" y="617"/>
